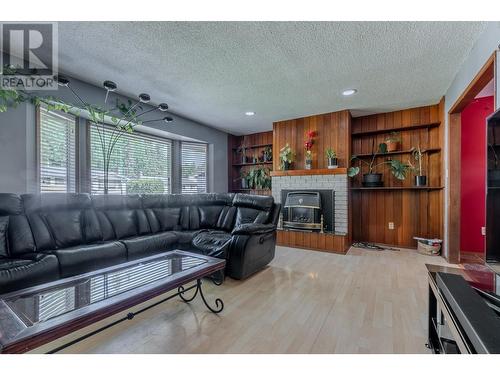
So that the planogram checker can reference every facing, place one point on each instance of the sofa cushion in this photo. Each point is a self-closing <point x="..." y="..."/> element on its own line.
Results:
<point x="123" y="223"/>
<point x="57" y="220"/>
<point x="185" y="236"/>
<point x="139" y="247"/>
<point x="21" y="239"/>
<point x="212" y="243"/>
<point x="209" y="216"/>
<point x="226" y="218"/>
<point x="167" y="218"/>
<point x="252" y="208"/>
<point x="4" y="227"/>
<point x="259" y="202"/>
<point x="120" y="216"/>
<point x="81" y="259"/>
<point x="174" y="204"/>
<point x="65" y="227"/>
<point x="246" y="215"/>
<point x="28" y="271"/>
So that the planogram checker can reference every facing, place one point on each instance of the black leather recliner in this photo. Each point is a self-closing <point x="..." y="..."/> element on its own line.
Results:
<point x="44" y="237"/>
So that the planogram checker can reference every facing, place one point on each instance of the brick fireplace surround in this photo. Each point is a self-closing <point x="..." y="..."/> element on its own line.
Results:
<point x="336" y="182"/>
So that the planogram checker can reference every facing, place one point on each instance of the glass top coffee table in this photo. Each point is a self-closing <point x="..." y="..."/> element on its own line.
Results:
<point x="36" y="316"/>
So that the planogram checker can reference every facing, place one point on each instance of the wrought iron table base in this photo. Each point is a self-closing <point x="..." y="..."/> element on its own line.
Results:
<point x="218" y="302"/>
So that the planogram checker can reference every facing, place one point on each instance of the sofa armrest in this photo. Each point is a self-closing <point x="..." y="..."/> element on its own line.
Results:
<point x="253" y="228"/>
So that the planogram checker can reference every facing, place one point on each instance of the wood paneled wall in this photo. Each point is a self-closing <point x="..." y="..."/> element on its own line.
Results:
<point x="414" y="212"/>
<point x="325" y="242"/>
<point x="332" y="130"/>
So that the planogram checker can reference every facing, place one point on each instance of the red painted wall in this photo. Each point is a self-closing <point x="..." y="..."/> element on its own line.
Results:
<point x="473" y="174"/>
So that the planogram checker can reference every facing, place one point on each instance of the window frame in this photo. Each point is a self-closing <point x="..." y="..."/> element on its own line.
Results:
<point x="38" y="150"/>
<point x="206" y="165"/>
<point x="88" y="174"/>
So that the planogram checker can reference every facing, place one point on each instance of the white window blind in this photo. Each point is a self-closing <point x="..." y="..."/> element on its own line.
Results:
<point x="194" y="167"/>
<point x="57" y="152"/>
<point x="55" y="303"/>
<point x="139" y="163"/>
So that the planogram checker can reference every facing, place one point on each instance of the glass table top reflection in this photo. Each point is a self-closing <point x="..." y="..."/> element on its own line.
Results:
<point x="46" y="304"/>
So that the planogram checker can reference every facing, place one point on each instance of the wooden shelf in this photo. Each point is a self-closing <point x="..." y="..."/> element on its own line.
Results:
<point x="401" y="128"/>
<point x="388" y="154"/>
<point x="399" y="188"/>
<point x="256" y="146"/>
<point x="308" y="172"/>
<point x="246" y="164"/>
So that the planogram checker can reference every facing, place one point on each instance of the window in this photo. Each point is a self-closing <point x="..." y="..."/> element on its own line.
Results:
<point x="139" y="164"/>
<point x="194" y="167"/>
<point x="56" y="152"/>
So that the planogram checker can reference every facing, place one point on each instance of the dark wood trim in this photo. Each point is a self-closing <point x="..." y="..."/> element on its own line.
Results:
<point x="399" y="188"/>
<point x="256" y="146"/>
<point x="396" y="129"/>
<point x="389" y="154"/>
<point x="324" y="242"/>
<point x="480" y="80"/>
<point x="96" y="314"/>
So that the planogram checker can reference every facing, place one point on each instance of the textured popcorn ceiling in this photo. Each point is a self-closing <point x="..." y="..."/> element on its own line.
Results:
<point x="213" y="72"/>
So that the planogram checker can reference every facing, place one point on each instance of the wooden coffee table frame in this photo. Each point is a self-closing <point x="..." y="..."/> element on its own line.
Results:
<point x="56" y="328"/>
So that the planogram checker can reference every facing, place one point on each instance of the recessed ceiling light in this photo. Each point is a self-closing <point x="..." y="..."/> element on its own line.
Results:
<point x="349" y="92"/>
<point x="250" y="113"/>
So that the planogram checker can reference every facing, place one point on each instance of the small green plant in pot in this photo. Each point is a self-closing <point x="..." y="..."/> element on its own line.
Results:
<point x="392" y="141"/>
<point x="372" y="178"/>
<point x="242" y="150"/>
<point x="331" y="156"/>
<point x="286" y="157"/>
<point x="244" y="179"/>
<point x="268" y="154"/>
<point x="420" y="178"/>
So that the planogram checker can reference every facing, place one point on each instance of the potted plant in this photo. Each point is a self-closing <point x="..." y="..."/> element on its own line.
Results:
<point x="373" y="179"/>
<point x="308" y="148"/>
<point x="392" y="141"/>
<point x="331" y="156"/>
<point x="243" y="151"/>
<point x="420" y="179"/>
<point x="268" y="154"/>
<point x="286" y="157"/>
<point x="243" y="179"/>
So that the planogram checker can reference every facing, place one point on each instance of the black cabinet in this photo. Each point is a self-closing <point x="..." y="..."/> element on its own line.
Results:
<point x="493" y="189"/>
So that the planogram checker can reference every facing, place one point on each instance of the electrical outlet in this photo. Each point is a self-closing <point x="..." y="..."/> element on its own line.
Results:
<point x="391" y="225"/>
<point x="483" y="231"/>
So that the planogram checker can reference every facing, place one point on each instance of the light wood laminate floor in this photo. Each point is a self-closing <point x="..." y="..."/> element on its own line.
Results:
<point x="303" y="302"/>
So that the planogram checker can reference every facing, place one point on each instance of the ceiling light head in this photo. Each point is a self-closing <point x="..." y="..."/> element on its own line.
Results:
<point x="168" y="119"/>
<point x="144" y="98"/>
<point x="349" y="92"/>
<point x="163" y="107"/>
<point x="110" y="85"/>
<point x="62" y="81"/>
<point x="250" y="113"/>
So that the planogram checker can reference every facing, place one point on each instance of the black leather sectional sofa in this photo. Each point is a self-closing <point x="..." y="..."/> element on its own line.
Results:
<point x="49" y="236"/>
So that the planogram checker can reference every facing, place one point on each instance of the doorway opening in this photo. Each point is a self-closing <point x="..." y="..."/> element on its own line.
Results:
<point x="467" y="134"/>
